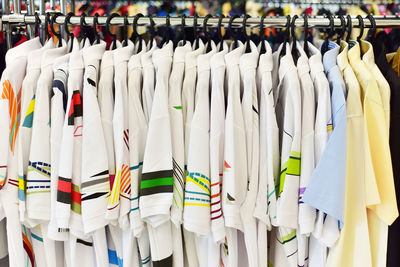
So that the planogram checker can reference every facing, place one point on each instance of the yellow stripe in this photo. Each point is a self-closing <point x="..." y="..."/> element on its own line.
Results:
<point x="21" y="184"/>
<point x="189" y="179"/>
<point x="115" y="190"/>
<point x="203" y="180"/>
<point x="197" y="204"/>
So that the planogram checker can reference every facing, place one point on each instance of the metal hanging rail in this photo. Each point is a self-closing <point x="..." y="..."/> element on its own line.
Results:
<point x="313" y="22"/>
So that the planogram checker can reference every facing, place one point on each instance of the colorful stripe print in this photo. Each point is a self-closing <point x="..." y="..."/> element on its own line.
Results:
<point x="291" y="167"/>
<point x="156" y="182"/>
<point x="216" y="210"/>
<point x="114" y="259"/>
<point x="179" y="184"/>
<point x="28" y="248"/>
<point x="14" y="107"/>
<point x="28" y="121"/>
<point x="64" y="190"/>
<point x="40" y="167"/>
<point x="121" y="187"/>
<point x="200" y="197"/>
<point x="76" y="199"/>
<point x="21" y="188"/>
<point x="97" y="187"/>
<point x="76" y="108"/>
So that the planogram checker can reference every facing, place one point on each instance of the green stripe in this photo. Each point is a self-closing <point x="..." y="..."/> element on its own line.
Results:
<point x="12" y="131"/>
<point x="157" y="182"/>
<point x="177" y="107"/>
<point x="289" y="237"/>
<point x="179" y="194"/>
<point x="37" y="237"/>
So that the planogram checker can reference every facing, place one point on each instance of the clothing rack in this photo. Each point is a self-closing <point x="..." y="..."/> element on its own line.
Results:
<point x="276" y="22"/>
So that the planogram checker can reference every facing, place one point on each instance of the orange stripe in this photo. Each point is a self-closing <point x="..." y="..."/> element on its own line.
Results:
<point x="216" y="195"/>
<point x="214" y="184"/>
<point x="27" y="241"/>
<point x="125" y="181"/>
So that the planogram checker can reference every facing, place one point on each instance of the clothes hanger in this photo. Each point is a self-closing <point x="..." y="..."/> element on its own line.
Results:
<point x="135" y="33"/>
<point x="167" y="30"/>
<point x="247" y="44"/>
<point x="295" y="53"/>
<point x="343" y="30"/>
<point x="152" y="30"/>
<point x="349" y="28"/>
<point x="125" y="31"/>
<point x="206" y="33"/>
<point x="196" y="36"/>
<point x="305" y="45"/>
<point x="57" y="34"/>
<point x="37" y="24"/>
<point x="372" y="31"/>
<point x="287" y="36"/>
<point x="235" y="42"/>
<point x="83" y="26"/>
<point x="262" y="34"/>
<point x="219" y="33"/>
<point x="66" y="29"/>
<point x="361" y="23"/>
<point x="95" y="25"/>
<point x="183" y="31"/>
<point x="331" y="32"/>
<point x="46" y="26"/>
<point x="114" y="36"/>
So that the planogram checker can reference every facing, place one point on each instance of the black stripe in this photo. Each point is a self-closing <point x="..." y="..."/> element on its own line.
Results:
<point x="157" y="174"/>
<point x="288" y="134"/>
<point x="176" y="165"/>
<point x="78" y="110"/>
<point x="156" y="190"/>
<point x="255" y="110"/>
<point x="95" y="195"/>
<point x="84" y="242"/>
<point x="69" y="180"/>
<point x="63" y="197"/>
<point x="91" y="82"/>
<point x="178" y="177"/>
<point x="167" y="262"/>
<point x="60" y="86"/>
<point x="101" y="173"/>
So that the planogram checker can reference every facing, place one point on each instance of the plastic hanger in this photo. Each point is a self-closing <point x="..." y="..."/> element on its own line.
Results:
<point x="66" y="29"/>
<point x="248" y="49"/>
<point x="57" y="34"/>
<point x="361" y="23"/>
<point x="168" y="29"/>
<point x="372" y="31"/>
<point x="152" y="30"/>
<point x="295" y="53"/>
<point x="343" y="30"/>
<point x="235" y="42"/>
<point x="135" y="33"/>
<point x="349" y="28"/>
<point x="325" y="45"/>
<point x="37" y="24"/>
<point x="287" y="36"/>
<point x="46" y="26"/>
<point x="196" y="36"/>
<point x="114" y="36"/>
<point x="219" y="33"/>
<point x="206" y="33"/>
<point x="95" y="25"/>
<point x="83" y="26"/>
<point x="262" y="35"/>
<point x="183" y="31"/>
<point x="125" y="31"/>
<point x="305" y="46"/>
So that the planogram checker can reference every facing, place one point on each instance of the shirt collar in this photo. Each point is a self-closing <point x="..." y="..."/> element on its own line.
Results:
<point x="342" y="59"/>
<point x="123" y="54"/>
<point x="165" y="52"/>
<point x="203" y="61"/>
<point x="368" y="53"/>
<point x="180" y="53"/>
<point x="191" y="57"/>
<point x="329" y="58"/>
<point x="146" y="57"/>
<point x="302" y="62"/>
<point x="50" y="55"/>
<point x="218" y="59"/>
<point x="134" y="61"/>
<point x="34" y="58"/>
<point x="22" y="50"/>
<point x="286" y="63"/>
<point x="250" y="60"/>
<point x="94" y="52"/>
<point x="233" y="57"/>
<point x="353" y="53"/>
<point x="266" y="62"/>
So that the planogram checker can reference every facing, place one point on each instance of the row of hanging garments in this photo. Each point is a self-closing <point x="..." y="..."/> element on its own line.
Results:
<point x="204" y="153"/>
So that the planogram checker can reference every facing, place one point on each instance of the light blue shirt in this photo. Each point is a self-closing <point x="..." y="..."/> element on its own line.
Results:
<point x="326" y="189"/>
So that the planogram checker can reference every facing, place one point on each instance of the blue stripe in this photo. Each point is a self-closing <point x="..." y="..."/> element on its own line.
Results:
<point x="136" y="167"/>
<point x="38" y="186"/>
<point x="145" y="262"/>
<point x="113" y="258"/>
<point x="37" y="237"/>
<point x="38" y="181"/>
<point x="135" y="209"/>
<point x="134" y="198"/>
<point x="192" y="192"/>
<point x="148" y="257"/>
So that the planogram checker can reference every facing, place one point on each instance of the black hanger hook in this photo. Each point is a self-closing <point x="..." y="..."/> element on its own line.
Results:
<point x="114" y="36"/>
<point x="46" y="25"/>
<point x="168" y="26"/>
<point x="361" y="23"/>
<point x="183" y="25"/>
<point x="196" y="36"/>
<point x="95" y="25"/>
<point x="37" y="24"/>
<point x="372" y="31"/>
<point x="262" y="29"/>
<point x="246" y="16"/>
<point x="66" y="23"/>
<point x="125" y="30"/>
<point x="343" y="30"/>
<point x="206" y="33"/>
<point x="230" y="24"/>
<point x="135" y="33"/>
<point x="306" y="49"/>
<point x="152" y="30"/>
<point x="57" y="34"/>
<point x="331" y="26"/>
<point x="349" y="28"/>
<point x="292" y="28"/>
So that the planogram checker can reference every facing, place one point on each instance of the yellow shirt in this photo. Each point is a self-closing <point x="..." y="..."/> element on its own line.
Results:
<point x="383" y="212"/>
<point x="354" y="239"/>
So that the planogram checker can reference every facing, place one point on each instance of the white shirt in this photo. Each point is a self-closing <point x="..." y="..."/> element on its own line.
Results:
<point x="177" y="130"/>
<point x="39" y="170"/>
<point x="197" y="217"/>
<point x="95" y="180"/>
<point x="235" y="164"/>
<point x="148" y="80"/>
<point x="217" y="129"/>
<point x="156" y="187"/>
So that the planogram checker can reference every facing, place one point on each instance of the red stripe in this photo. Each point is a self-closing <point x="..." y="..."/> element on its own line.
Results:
<point x="76" y="197"/>
<point x="214" y="184"/>
<point x="215" y="203"/>
<point x="216" y="195"/>
<point x="5" y="166"/>
<point x="216" y="210"/>
<point x="125" y="197"/>
<point x="214" y="218"/>
<point x="113" y="207"/>
<point x="64" y="186"/>
<point x="76" y="99"/>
